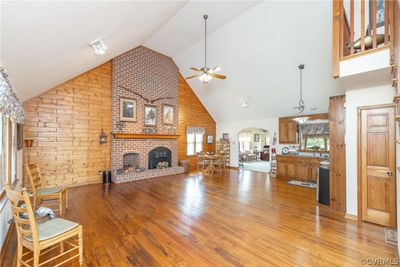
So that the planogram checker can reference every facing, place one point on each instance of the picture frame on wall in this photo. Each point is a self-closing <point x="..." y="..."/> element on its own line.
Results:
<point x="127" y="109"/>
<point x="150" y="115"/>
<point x="168" y="114"/>
<point x="225" y="136"/>
<point x="256" y="138"/>
<point x="210" y="139"/>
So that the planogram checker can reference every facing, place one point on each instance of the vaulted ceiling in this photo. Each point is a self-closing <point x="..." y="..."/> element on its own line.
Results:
<point x="258" y="45"/>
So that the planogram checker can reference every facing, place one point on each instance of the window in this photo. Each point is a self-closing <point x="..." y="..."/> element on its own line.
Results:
<point x="199" y="142"/>
<point x="245" y="141"/>
<point x="194" y="140"/>
<point x="3" y="151"/>
<point x="314" y="142"/>
<point x="190" y="144"/>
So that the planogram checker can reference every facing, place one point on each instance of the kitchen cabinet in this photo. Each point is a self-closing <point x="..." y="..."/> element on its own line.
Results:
<point x="303" y="171"/>
<point x="288" y="133"/>
<point x="298" y="167"/>
<point x="282" y="169"/>
<point x="291" y="169"/>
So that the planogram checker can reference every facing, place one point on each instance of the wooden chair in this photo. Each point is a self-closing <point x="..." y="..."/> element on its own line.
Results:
<point x="219" y="164"/>
<point x="202" y="162"/>
<point x="45" y="193"/>
<point x="39" y="239"/>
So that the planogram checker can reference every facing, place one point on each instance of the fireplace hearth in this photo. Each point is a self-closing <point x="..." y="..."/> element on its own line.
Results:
<point x="159" y="155"/>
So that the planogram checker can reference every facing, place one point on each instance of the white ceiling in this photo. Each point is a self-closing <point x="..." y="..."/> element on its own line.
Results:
<point x="258" y="45"/>
<point x="259" y="52"/>
<point x="45" y="43"/>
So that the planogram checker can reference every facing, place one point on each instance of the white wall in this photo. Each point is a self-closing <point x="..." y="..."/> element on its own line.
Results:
<point x="354" y="99"/>
<point x="233" y="129"/>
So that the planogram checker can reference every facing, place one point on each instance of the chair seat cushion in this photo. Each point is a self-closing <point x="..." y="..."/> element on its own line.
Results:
<point x="53" y="228"/>
<point x="49" y="190"/>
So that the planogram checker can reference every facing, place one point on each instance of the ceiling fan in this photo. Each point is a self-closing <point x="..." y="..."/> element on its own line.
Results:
<point x="206" y="73"/>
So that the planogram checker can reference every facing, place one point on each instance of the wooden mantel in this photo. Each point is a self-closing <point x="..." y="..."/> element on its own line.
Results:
<point x="144" y="136"/>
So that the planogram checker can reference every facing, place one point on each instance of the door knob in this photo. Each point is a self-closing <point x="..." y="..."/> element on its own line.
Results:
<point x="390" y="173"/>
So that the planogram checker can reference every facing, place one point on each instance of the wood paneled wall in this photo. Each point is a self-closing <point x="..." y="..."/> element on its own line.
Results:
<point x="65" y="124"/>
<point x="192" y="113"/>
<point x="66" y="121"/>
<point x="337" y="121"/>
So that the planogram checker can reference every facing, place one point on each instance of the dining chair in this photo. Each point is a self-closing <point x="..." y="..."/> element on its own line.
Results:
<point x="45" y="193"/>
<point x="219" y="163"/>
<point x="40" y="239"/>
<point x="202" y="162"/>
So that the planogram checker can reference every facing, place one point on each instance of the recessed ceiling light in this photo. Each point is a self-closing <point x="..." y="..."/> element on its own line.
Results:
<point x="245" y="104"/>
<point x="99" y="47"/>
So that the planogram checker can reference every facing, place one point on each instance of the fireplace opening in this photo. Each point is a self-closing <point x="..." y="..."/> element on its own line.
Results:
<point x="130" y="160"/>
<point x="160" y="157"/>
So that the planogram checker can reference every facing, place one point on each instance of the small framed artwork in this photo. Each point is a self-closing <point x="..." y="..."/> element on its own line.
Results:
<point x="256" y="137"/>
<point x="210" y="139"/>
<point x="127" y="109"/>
<point x="150" y="115"/>
<point x="168" y="114"/>
<point x="225" y="136"/>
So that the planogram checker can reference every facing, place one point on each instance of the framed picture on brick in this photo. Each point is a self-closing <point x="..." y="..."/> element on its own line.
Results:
<point x="168" y="114"/>
<point x="150" y="115"/>
<point x="127" y="109"/>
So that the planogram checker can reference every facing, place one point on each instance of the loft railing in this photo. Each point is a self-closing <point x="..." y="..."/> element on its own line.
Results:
<point x="360" y="27"/>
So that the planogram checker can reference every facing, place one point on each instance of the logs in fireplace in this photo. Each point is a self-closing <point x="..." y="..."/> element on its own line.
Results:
<point x="159" y="156"/>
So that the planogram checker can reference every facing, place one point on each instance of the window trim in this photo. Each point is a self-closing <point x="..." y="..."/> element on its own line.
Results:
<point x="9" y="156"/>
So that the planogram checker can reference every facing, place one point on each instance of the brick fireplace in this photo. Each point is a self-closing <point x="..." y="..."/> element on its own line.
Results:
<point x="149" y="78"/>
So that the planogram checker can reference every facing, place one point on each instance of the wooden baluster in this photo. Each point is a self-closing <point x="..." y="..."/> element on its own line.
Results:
<point x="335" y="38"/>
<point x="362" y="25"/>
<point x="352" y="27"/>
<point x="341" y="28"/>
<point x="373" y="22"/>
<point x="392" y="21"/>
<point x="387" y="3"/>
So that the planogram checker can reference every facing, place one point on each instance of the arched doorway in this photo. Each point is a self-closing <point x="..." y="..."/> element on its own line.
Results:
<point x="254" y="149"/>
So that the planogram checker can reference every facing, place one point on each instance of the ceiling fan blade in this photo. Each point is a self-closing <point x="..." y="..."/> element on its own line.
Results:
<point x="194" y="76"/>
<point x="217" y="76"/>
<point x="215" y="69"/>
<point x="195" y="69"/>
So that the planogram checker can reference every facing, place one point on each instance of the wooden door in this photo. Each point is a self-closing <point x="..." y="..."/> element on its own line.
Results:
<point x="292" y="132"/>
<point x="377" y="165"/>
<point x="283" y="132"/>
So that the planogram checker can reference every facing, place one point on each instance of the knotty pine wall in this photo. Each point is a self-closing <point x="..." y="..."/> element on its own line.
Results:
<point x="66" y="121"/>
<point x="192" y="113"/>
<point x="65" y="124"/>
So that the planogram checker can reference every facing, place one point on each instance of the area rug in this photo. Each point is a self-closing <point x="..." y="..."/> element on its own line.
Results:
<point x="390" y="236"/>
<point x="302" y="183"/>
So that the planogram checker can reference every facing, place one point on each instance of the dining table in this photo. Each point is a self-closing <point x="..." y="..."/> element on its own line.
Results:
<point x="211" y="158"/>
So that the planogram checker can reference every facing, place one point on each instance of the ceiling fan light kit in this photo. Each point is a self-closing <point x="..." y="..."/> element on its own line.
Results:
<point x="206" y="73"/>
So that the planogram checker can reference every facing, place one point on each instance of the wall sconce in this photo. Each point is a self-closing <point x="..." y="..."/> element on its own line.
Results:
<point x="103" y="137"/>
<point x="28" y="145"/>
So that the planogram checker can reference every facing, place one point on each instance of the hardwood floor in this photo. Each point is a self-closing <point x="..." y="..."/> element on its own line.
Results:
<point x="241" y="218"/>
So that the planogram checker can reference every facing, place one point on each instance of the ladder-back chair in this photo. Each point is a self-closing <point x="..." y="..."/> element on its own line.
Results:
<point x="40" y="239"/>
